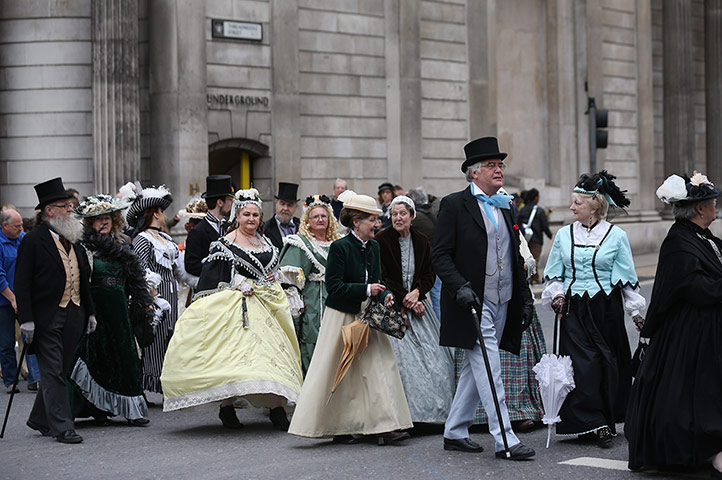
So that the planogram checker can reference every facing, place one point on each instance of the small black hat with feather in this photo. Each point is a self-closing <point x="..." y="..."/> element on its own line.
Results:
<point x="602" y="183"/>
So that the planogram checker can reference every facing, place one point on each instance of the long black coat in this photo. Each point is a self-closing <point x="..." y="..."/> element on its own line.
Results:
<point x="40" y="278"/>
<point x="271" y="230"/>
<point x="198" y="244"/>
<point x="459" y="256"/>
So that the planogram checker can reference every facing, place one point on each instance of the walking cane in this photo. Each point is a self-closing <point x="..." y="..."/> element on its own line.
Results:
<point x="477" y="324"/>
<point x="14" y="389"/>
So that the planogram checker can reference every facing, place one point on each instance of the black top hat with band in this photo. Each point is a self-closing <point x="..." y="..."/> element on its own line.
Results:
<point x="287" y="192"/>
<point x="485" y="148"/>
<point x="217" y="186"/>
<point x="386" y="186"/>
<point x="50" y="191"/>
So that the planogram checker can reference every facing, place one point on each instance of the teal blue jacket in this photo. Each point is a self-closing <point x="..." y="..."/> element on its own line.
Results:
<point x="346" y="267"/>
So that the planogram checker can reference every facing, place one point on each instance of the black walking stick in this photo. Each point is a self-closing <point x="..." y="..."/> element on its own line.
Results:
<point x="14" y="389"/>
<point x="477" y="324"/>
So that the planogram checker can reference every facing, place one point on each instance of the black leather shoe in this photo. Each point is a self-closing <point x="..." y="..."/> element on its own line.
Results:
<point x="279" y="419"/>
<point x="228" y="417"/>
<point x="69" y="436"/>
<point x="518" y="452"/>
<point x="44" y="431"/>
<point x="462" y="445"/>
<point x="604" y="437"/>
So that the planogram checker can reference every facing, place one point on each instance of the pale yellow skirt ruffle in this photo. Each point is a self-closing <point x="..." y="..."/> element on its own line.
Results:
<point x="212" y="357"/>
<point x="370" y="398"/>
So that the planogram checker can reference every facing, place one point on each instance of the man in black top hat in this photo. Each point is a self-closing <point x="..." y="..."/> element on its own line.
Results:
<point x="54" y="305"/>
<point x="283" y="222"/>
<point x="219" y="198"/>
<point x="476" y="255"/>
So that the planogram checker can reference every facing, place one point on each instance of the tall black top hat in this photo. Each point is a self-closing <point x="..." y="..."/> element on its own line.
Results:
<point x="49" y="191"/>
<point x="287" y="192"/>
<point x="484" y="148"/>
<point x="217" y="186"/>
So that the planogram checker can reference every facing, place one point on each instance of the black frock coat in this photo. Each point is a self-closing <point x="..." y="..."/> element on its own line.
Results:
<point x="459" y="256"/>
<point x="40" y="279"/>
<point x="198" y="244"/>
<point x="271" y="230"/>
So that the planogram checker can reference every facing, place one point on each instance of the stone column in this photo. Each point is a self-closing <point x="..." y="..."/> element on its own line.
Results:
<point x="403" y="92"/>
<point x="647" y="201"/>
<point x="285" y="107"/>
<point x="481" y="45"/>
<point x="679" y="141"/>
<point x="116" y="99"/>
<point x="561" y="85"/>
<point x="713" y="86"/>
<point x="178" y="123"/>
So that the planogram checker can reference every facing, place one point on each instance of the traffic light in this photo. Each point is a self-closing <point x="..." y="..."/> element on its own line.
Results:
<point x="598" y="135"/>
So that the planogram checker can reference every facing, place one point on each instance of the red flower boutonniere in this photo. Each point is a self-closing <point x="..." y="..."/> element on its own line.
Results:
<point x="515" y="226"/>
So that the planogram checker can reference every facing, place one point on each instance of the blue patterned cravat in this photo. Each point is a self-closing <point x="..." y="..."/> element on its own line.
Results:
<point x="498" y="200"/>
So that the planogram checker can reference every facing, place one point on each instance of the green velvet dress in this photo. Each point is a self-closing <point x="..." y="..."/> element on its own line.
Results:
<point x="107" y="378"/>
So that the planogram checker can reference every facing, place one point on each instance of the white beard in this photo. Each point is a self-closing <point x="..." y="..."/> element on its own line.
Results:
<point x="69" y="227"/>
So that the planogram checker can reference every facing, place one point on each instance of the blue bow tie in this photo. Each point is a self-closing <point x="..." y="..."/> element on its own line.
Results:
<point x="498" y="200"/>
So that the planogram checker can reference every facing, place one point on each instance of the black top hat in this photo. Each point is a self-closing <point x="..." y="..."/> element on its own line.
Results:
<point x="484" y="148"/>
<point x="217" y="186"/>
<point x="386" y="186"/>
<point x="49" y="191"/>
<point x="287" y="192"/>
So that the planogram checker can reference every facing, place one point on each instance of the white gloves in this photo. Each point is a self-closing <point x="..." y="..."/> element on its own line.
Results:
<point x="28" y="329"/>
<point x="92" y="324"/>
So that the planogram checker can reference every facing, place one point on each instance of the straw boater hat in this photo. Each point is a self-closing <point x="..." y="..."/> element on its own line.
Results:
<point x="196" y="208"/>
<point x="362" y="203"/>
<point x="682" y="190"/>
<point x="101" y="204"/>
<point x="142" y="198"/>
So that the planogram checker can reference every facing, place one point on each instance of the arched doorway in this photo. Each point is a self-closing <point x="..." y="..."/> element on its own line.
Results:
<point x="235" y="157"/>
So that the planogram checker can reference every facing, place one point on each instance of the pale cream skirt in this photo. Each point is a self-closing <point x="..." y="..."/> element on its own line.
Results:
<point x="370" y="398"/>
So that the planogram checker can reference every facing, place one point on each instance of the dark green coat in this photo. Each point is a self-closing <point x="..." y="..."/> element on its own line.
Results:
<point x="345" y="273"/>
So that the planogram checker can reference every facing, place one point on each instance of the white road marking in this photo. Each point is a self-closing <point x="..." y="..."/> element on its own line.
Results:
<point x="597" y="463"/>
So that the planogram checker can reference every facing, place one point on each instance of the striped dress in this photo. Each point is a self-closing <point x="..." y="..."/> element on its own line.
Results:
<point x="158" y="258"/>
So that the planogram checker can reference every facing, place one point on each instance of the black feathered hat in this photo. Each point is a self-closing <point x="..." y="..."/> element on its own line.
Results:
<point x="602" y="183"/>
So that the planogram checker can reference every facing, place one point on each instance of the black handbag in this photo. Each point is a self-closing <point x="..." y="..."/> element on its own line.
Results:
<point x="385" y="319"/>
<point x="638" y="355"/>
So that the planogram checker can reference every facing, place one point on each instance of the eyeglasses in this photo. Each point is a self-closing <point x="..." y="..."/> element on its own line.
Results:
<point x="493" y="165"/>
<point x="66" y="206"/>
<point x="316" y="218"/>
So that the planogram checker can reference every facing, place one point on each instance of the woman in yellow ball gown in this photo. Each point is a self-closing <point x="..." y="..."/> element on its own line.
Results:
<point x="237" y="338"/>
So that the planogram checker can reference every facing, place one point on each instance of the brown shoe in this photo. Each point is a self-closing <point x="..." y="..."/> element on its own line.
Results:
<point x="523" y="426"/>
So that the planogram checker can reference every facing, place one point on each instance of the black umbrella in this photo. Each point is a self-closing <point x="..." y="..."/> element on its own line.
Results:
<point x="477" y="324"/>
<point x="14" y="389"/>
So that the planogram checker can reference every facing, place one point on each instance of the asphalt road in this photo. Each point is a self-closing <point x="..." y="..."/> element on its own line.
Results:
<point x="192" y="444"/>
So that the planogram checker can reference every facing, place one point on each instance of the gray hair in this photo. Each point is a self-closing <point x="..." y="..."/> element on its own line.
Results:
<point x="419" y="196"/>
<point x="687" y="211"/>
<point x="473" y="168"/>
<point x="340" y="180"/>
<point x="4" y="216"/>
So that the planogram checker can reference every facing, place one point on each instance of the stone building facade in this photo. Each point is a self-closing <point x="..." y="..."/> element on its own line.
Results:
<point x="107" y="91"/>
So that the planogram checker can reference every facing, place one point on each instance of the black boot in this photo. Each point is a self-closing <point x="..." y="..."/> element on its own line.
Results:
<point x="229" y="418"/>
<point x="279" y="419"/>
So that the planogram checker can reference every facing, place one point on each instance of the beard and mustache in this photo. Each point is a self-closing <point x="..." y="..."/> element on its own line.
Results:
<point x="69" y="227"/>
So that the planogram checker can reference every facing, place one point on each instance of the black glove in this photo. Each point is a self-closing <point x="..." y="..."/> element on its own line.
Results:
<point x="558" y="304"/>
<point x="527" y="315"/>
<point x="467" y="298"/>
